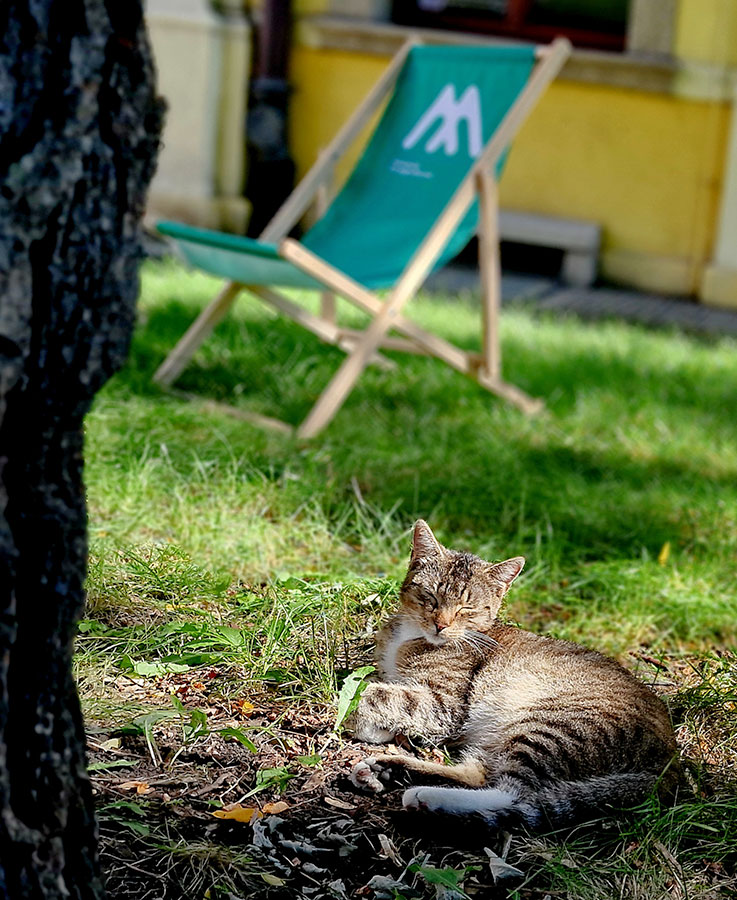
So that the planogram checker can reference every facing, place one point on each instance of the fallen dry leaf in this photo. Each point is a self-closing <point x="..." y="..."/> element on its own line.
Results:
<point x="338" y="804"/>
<point x="404" y="744"/>
<point x="277" y="807"/>
<point x="238" y="813"/>
<point x="140" y="787"/>
<point x="245" y="707"/>
<point x="315" y="781"/>
<point x="500" y="868"/>
<point x="389" y="851"/>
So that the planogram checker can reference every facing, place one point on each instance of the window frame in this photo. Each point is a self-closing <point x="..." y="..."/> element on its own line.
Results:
<point x="648" y="28"/>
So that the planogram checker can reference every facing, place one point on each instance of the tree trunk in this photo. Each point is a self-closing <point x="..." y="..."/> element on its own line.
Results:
<point x="79" y="131"/>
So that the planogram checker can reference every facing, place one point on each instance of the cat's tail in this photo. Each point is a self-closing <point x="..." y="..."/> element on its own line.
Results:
<point x="554" y="806"/>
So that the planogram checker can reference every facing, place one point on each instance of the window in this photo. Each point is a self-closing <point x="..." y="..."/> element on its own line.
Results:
<point x="588" y="23"/>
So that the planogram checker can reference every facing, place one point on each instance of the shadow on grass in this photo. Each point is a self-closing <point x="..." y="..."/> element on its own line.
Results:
<point x="271" y="357"/>
<point x="432" y="442"/>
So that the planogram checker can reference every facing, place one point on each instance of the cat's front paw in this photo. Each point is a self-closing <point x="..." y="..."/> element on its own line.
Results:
<point x="366" y="775"/>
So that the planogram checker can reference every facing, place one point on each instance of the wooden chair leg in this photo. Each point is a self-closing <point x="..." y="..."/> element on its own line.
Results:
<point x="512" y="394"/>
<point x="489" y="374"/>
<point x="335" y="393"/>
<point x="348" y="345"/>
<point x="176" y="361"/>
<point x="490" y="270"/>
<point x="327" y="306"/>
<point x="327" y="298"/>
<point x="370" y="303"/>
<point x="333" y="397"/>
<point x="325" y="330"/>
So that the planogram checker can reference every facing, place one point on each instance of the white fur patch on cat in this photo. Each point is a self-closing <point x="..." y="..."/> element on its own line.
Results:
<point x="458" y="801"/>
<point x="373" y="734"/>
<point x="407" y="631"/>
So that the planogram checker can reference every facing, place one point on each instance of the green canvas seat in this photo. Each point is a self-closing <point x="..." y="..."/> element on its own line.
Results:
<point x="410" y="204"/>
<point x="234" y="257"/>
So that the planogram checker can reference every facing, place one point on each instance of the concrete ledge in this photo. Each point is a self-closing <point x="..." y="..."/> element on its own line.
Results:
<point x="579" y="241"/>
<point x="549" y="231"/>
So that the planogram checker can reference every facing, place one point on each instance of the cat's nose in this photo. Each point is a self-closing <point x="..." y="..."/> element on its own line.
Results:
<point x="440" y="626"/>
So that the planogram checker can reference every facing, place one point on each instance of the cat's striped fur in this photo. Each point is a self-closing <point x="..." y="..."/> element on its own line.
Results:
<point x="546" y="732"/>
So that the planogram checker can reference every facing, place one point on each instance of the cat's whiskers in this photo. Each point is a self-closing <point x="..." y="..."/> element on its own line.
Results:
<point x="485" y="639"/>
<point x="477" y="641"/>
<point x="476" y="645"/>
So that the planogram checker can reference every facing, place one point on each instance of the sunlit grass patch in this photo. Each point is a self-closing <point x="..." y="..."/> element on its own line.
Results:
<point x="154" y="613"/>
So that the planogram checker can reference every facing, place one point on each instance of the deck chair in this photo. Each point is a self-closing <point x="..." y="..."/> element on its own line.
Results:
<point x="424" y="184"/>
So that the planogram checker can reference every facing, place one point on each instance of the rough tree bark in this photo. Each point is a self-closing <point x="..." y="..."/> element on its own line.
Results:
<point x="79" y="131"/>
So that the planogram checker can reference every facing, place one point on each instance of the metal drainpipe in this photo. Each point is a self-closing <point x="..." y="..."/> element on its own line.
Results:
<point x="270" y="173"/>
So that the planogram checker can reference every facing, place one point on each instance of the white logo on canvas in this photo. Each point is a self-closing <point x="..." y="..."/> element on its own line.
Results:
<point x="450" y="112"/>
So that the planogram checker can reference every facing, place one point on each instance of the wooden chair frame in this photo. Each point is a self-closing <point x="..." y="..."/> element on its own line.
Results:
<point x="363" y="347"/>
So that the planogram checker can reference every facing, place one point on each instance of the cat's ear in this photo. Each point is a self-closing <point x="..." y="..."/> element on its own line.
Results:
<point x="505" y="572"/>
<point x="424" y="542"/>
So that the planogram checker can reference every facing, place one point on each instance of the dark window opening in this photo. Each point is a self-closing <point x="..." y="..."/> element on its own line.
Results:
<point x="515" y="257"/>
<point x="600" y="24"/>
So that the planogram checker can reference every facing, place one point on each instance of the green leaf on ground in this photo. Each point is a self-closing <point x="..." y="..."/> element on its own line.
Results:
<point x="135" y="827"/>
<point x="113" y="764"/>
<point x="237" y="735"/>
<point x="350" y="693"/>
<point x="141" y="667"/>
<point x="449" y="878"/>
<point x="144" y="724"/>
<point x="314" y="760"/>
<point x="269" y="778"/>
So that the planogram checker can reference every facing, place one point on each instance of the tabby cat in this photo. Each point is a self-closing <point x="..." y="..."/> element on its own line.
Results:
<point x="547" y="733"/>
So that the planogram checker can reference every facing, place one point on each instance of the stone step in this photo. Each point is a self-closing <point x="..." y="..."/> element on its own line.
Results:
<point x="579" y="240"/>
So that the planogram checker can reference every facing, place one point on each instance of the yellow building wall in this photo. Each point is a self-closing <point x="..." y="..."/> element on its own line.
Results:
<point x="327" y="86"/>
<point x="706" y="31"/>
<point x="646" y="166"/>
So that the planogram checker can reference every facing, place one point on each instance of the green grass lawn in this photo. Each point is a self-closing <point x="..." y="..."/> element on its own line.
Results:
<point x="245" y="567"/>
